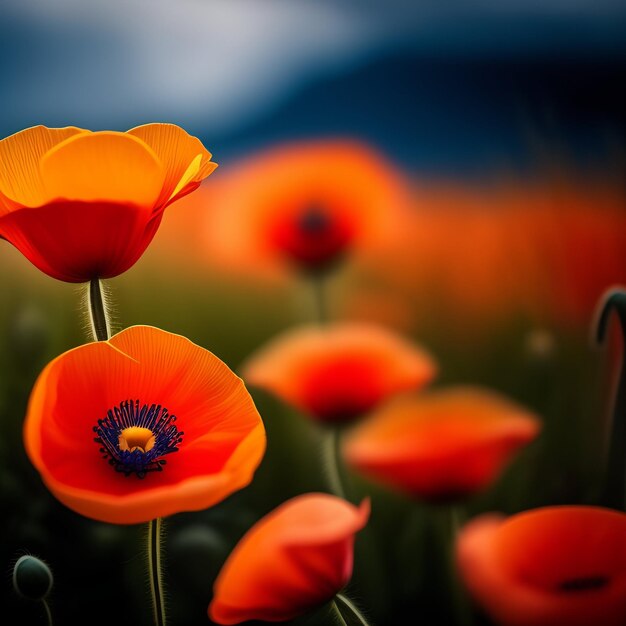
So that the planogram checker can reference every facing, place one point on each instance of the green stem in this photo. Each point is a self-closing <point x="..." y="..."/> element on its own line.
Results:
<point x="347" y="604"/>
<point x="321" y="300"/>
<point x="332" y="452"/>
<point x="461" y="607"/>
<point x="47" y="610"/>
<point x="97" y="311"/>
<point x="614" y="489"/>
<point x="154" y="565"/>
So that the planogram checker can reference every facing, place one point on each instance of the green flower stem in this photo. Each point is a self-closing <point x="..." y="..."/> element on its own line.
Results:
<point x="332" y="461"/>
<point x="46" y="607"/>
<point x="344" y="606"/>
<point x="97" y="311"/>
<point x="462" y="610"/>
<point x="614" y="488"/>
<point x="321" y="299"/>
<point x="155" y="572"/>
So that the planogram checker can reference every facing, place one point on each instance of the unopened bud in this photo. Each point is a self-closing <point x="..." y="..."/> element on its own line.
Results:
<point x="32" y="578"/>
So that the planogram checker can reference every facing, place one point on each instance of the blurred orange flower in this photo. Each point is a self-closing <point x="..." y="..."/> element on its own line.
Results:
<point x="306" y="205"/>
<point x="142" y="396"/>
<point x="82" y="205"/>
<point x="542" y="251"/>
<point x="338" y="372"/>
<point x="555" y="566"/>
<point x="441" y="445"/>
<point x="293" y="560"/>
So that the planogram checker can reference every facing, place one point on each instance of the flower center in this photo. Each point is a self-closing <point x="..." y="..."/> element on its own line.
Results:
<point x="314" y="221"/>
<point x="584" y="584"/>
<point x="134" y="437"/>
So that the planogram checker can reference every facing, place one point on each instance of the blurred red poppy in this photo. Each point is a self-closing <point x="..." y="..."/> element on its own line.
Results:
<point x="82" y="205"/>
<point x="555" y="566"/>
<point x="441" y="445"/>
<point x="339" y="372"/>
<point x="293" y="560"/>
<point x="177" y="429"/>
<point x="306" y="205"/>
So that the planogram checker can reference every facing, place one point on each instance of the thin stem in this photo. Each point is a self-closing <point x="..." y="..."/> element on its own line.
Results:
<point x="338" y="614"/>
<point x="332" y="452"/>
<point x="461" y="607"/>
<point x="349" y="605"/>
<point x="47" y="610"/>
<point x="321" y="300"/>
<point x="154" y="565"/>
<point x="614" y="489"/>
<point x="97" y="311"/>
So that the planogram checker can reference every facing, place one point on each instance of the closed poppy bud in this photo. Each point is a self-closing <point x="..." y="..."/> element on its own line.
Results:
<point x="554" y="566"/>
<point x="291" y="561"/>
<point x="142" y="426"/>
<point x="339" y="372"/>
<point x="32" y="578"/>
<point x="82" y="205"/>
<point x="305" y="206"/>
<point x="441" y="445"/>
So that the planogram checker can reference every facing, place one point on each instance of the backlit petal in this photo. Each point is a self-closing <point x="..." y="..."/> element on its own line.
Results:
<point x="103" y="166"/>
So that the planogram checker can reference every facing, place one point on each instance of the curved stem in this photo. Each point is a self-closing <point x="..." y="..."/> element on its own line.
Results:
<point x="154" y="565"/>
<point x="97" y="311"/>
<point x="349" y="606"/>
<point x="614" y="488"/>
<point x="332" y="452"/>
<point x="46" y="607"/>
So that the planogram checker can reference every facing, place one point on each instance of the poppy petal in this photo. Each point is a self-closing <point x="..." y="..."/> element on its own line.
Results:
<point x="179" y="152"/>
<point x="20" y="180"/>
<point x="443" y="444"/>
<point x="76" y="241"/>
<point x="548" y="567"/>
<point x="105" y="165"/>
<point x="222" y="444"/>
<point x="292" y="560"/>
<point x="339" y="372"/>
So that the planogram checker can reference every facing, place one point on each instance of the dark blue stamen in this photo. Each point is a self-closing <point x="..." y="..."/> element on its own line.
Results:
<point x="167" y="437"/>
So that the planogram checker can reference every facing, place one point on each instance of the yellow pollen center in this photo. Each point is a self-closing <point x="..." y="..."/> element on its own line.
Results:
<point x="136" y="438"/>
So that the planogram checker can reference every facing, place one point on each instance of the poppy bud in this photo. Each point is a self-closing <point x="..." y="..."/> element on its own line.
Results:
<point x="32" y="578"/>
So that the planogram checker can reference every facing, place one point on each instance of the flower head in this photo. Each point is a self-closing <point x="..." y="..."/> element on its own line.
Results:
<point x="293" y="560"/>
<point x="141" y="426"/>
<point x="548" y="567"/>
<point x="306" y="206"/>
<point x="82" y="205"/>
<point x="441" y="445"/>
<point x="339" y="372"/>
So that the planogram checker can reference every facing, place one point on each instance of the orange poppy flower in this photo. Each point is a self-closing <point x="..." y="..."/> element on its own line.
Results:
<point x="441" y="445"/>
<point x="306" y="205"/>
<point x="141" y="426"/>
<point x="554" y="566"/>
<point x="337" y="373"/>
<point x="82" y="205"/>
<point x="293" y="560"/>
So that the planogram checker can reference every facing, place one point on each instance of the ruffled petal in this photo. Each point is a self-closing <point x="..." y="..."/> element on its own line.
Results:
<point x="185" y="159"/>
<point x="20" y="179"/>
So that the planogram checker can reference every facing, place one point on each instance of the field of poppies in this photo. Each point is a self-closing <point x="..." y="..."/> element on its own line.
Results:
<point x="312" y="385"/>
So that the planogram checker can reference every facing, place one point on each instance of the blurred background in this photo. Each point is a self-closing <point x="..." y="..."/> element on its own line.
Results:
<point x="503" y="123"/>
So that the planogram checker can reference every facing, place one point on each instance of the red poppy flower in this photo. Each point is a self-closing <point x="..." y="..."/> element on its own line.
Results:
<point x="339" y="372"/>
<point x="306" y="205"/>
<point x="293" y="560"/>
<point x="441" y="445"/>
<point x="555" y="566"/>
<point x="82" y="205"/>
<point x="141" y="426"/>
